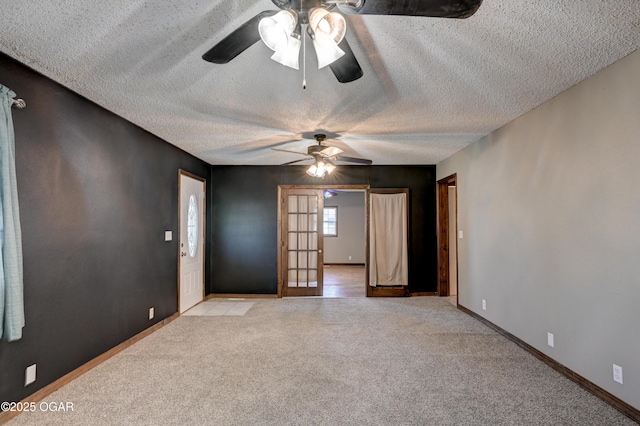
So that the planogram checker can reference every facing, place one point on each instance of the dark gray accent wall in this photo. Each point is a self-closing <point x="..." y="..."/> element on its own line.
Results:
<point x="96" y="195"/>
<point x="244" y="203"/>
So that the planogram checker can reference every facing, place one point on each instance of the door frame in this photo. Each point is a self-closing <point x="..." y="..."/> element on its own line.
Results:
<point x="443" y="235"/>
<point x="281" y="243"/>
<point x="204" y="227"/>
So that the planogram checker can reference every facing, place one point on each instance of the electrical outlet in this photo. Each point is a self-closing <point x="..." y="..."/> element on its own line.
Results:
<point x="617" y="373"/>
<point x="484" y="305"/>
<point x="151" y="313"/>
<point x="550" y="339"/>
<point x="349" y="257"/>
<point x="30" y="375"/>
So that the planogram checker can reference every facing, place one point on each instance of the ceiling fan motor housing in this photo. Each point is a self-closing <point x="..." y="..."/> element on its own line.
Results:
<point x="301" y="5"/>
<point x="315" y="149"/>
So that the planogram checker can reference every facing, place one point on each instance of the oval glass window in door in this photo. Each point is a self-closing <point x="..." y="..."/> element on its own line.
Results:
<point x="192" y="226"/>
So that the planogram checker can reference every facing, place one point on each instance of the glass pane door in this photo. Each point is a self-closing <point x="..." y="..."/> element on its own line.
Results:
<point x="303" y="242"/>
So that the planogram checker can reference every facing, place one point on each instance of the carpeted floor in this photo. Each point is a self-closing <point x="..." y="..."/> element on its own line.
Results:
<point x="327" y="361"/>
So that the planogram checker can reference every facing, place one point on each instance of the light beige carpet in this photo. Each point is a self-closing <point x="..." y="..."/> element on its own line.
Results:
<point x="327" y="361"/>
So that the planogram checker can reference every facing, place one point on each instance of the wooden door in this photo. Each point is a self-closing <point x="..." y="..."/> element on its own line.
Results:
<point x="302" y="242"/>
<point x="447" y="253"/>
<point x="191" y="242"/>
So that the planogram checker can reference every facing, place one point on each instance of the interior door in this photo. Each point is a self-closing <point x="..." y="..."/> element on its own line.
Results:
<point x="302" y="242"/>
<point x="192" y="226"/>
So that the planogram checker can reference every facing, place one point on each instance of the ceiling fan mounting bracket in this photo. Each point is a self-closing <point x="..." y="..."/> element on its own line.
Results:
<point x="314" y="149"/>
<point x="303" y="5"/>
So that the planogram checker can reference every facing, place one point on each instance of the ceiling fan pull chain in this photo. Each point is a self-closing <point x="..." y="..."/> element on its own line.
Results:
<point x="304" y="60"/>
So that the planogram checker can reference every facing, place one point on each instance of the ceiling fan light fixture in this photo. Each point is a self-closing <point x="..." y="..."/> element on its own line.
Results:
<point x="321" y="168"/>
<point x="330" y="24"/>
<point x="275" y="31"/>
<point x="313" y="171"/>
<point x="289" y="55"/>
<point x="329" y="166"/>
<point x="327" y="53"/>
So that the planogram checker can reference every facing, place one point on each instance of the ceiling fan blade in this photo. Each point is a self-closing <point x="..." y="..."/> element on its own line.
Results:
<point x="271" y="145"/>
<point x="354" y="160"/>
<point x="294" y="161"/>
<point x="288" y="150"/>
<point x="238" y="41"/>
<point x="346" y="69"/>
<point x="282" y="4"/>
<point x="331" y="151"/>
<point x="430" y="8"/>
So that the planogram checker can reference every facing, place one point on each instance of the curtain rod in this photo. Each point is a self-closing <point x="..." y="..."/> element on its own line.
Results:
<point x="19" y="103"/>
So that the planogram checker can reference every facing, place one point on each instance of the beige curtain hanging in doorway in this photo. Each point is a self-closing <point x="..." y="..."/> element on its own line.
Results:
<point x="388" y="263"/>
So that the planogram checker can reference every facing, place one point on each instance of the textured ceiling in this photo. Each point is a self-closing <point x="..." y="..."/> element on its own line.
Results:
<point x="430" y="87"/>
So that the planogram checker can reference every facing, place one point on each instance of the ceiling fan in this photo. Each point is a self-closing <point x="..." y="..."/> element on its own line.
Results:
<point x="281" y="30"/>
<point x="323" y="157"/>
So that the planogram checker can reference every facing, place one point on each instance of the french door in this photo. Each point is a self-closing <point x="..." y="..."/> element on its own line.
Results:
<point x="301" y="242"/>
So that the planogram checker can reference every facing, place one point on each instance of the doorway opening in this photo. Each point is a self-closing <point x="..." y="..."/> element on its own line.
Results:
<point x="310" y="263"/>
<point x="301" y="240"/>
<point x="344" y="233"/>
<point x="448" y="238"/>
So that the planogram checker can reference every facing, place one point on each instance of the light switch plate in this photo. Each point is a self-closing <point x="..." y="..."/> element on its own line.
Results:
<point x="460" y="235"/>
<point x="550" y="339"/>
<point x="484" y="305"/>
<point x="168" y="235"/>
<point x="30" y="375"/>
<point x="617" y="373"/>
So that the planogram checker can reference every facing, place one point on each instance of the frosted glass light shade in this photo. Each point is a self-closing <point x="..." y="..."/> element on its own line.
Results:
<point x="289" y="55"/>
<point x="275" y="30"/>
<point x="329" y="166"/>
<point x="321" y="168"/>
<point x="331" y="24"/>
<point x="313" y="170"/>
<point x="327" y="52"/>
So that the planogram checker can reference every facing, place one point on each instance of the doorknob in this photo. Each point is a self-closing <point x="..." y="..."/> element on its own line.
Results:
<point x="183" y="254"/>
<point x="319" y="251"/>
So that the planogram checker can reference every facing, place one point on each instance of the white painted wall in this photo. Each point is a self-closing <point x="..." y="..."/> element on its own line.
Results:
<point x="351" y="239"/>
<point x="550" y="210"/>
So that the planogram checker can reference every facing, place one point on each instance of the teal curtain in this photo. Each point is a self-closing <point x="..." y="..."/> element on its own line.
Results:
<point x="11" y="278"/>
